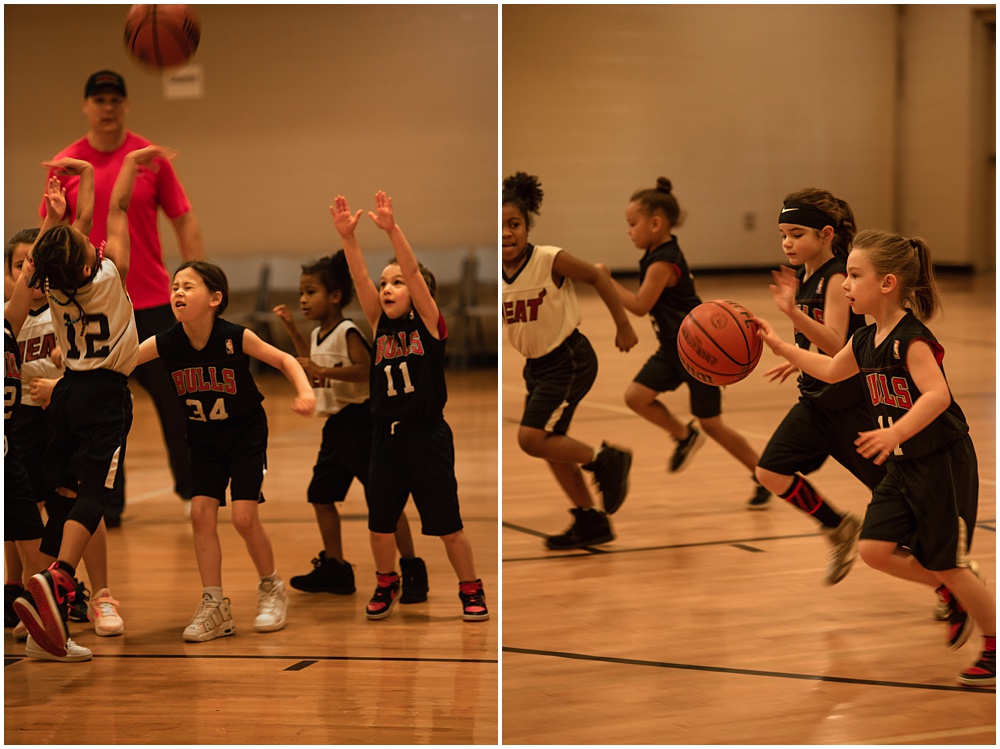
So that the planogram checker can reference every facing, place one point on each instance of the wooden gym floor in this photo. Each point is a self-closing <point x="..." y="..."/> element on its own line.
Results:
<point x="705" y="623"/>
<point x="422" y="676"/>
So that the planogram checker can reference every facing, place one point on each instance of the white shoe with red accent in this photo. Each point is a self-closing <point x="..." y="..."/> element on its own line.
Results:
<point x="103" y="612"/>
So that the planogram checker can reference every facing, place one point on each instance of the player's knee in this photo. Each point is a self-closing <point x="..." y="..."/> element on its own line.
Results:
<point x="245" y="523"/>
<point x="638" y="397"/>
<point x="530" y="441"/>
<point x="876" y="554"/>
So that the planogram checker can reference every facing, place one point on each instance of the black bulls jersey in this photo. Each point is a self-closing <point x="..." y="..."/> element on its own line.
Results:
<point x="675" y="301"/>
<point x="892" y="391"/>
<point x="214" y="384"/>
<point x="811" y="299"/>
<point x="407" y="373"/>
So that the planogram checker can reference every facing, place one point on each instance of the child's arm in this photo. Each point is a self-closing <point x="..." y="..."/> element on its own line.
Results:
<point x="659" y="276"/>
<point x="85" y="192"/>
<point x="572" y="267"/>
<point x="285" y="315"/>
<point x="305" y="400"/>
<point x="934" y="399"/>
<point x="118" y="245"/>
<point x="41" y="390"/>
<point x="830" y="335"/>
<point x="16" y="311"/>
<point x="148" y="351"/>
<point x="420" y="296"/>
<point x="364" y="287"/>
<point x="828" y="369"/>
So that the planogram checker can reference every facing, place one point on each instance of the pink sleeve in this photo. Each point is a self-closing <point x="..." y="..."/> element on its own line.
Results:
<point x="170" y="192"/>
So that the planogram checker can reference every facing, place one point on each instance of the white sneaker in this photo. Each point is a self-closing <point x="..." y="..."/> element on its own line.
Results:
<point x="20" y="632"/>
<point x="102" y="612"/>
<point x="844" y="540"/>
<point x="272" y="605"/>
<point x="212" y="619"/>
<point x="74" y="653"/>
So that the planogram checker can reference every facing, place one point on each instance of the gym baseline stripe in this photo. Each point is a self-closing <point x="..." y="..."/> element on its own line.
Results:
<point x="10" y="658"/>
<point x="746" y="671"/>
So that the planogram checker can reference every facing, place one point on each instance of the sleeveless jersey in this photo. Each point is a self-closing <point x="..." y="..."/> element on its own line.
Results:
<point x="407" y="373"/>
<point x="537" y="314"/>
<point x="109" y="339"/>
<point x="332" y="351"/>
<point x="676" y="301"/>
<point x="811" y="299"/>
<point x="214" y="385"/>
<point x="35" y="344"/>
<point x="892" y="390"/>
<point x="11" y="380"/>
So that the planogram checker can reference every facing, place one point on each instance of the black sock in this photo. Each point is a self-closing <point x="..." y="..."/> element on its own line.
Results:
<point x="802" y="495"/>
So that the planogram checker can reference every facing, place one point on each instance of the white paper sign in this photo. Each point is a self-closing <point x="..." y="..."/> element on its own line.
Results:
<point x="184" y="83"/>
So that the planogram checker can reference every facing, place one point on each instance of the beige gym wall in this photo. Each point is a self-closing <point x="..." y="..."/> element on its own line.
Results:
<point x="889" y="107"/>
<point x="301" y="102"/>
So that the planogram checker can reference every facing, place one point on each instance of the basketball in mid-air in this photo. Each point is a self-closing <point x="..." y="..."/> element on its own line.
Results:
<point x="718" y="343"/>
<point x="162" y="36"/>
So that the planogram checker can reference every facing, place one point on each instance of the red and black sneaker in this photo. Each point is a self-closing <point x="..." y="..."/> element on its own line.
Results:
<point x="983" y="673"/>
<point x="473" y="601"/>
<point x="960" y="624"/>
<point x="52" y="591"/>
<point x="386" y="595"/>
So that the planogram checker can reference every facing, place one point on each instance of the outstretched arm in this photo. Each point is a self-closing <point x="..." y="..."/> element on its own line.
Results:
<point x="420" y="295"/>
<point x="659" y="276"/>
<point x="828" y="369"/>
<point x="346" y="222"/>
<point x="572" y="267"/>
<point x="118" y="247"/>
<point x="305" y="399"/>
<point x="85" y="192"/>
<point x="148" y="351"/>
<point x="285" y="315"/>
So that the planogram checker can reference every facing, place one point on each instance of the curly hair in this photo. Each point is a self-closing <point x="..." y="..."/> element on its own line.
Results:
<point x="334" y="274"/>
<point x="660" y="199"/>
<point x="524" y="192"/>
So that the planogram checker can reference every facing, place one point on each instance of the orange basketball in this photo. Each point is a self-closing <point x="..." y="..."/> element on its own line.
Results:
<point x="717" y="342"/>
<point x="162" y="36"/>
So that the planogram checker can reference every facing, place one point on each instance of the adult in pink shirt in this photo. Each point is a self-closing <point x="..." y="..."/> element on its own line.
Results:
<point x="105" y="105"/>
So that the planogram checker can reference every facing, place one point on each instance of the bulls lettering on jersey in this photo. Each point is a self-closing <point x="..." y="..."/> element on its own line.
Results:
<point x="407" y="374"/>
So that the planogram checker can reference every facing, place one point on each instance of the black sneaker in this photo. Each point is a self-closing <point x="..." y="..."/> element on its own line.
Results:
<point x="78" y="606"/>
<point x="610" y="469"/>
<point x="983" y="673"/>
<point x="960" y="624"/>
<point x="327" y="576"/>
<point x="760" y="500"/>
<point x="414" y="577"/>
<point x="473" y="601"/>
<point x="686" y="448"/>
<point x="590" y="527"/>
<point x="10" y="592"/>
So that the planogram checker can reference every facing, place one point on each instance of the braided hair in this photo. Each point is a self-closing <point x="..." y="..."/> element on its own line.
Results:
<point x="59" y="260"/>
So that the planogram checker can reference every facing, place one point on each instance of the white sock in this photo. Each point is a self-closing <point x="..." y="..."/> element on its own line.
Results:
<point x="216" y="593"/>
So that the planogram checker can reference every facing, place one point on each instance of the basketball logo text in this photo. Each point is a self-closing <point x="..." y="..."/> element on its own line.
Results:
<point x="894" y="392"/>
<point x="393" y="347"/>
<point x="522" y="310"/>
<point x="193" y="380"/>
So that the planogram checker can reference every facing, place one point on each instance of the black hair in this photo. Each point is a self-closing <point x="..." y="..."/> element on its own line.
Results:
<point x="660" y="199"/>
<point x="59" y="260"/>
<point x="524" y="192"/>
<point x="334" y="274"/>
<point x="836" y="209"/>
<point x="25" y="236"/>
<point x="214" y="278"/>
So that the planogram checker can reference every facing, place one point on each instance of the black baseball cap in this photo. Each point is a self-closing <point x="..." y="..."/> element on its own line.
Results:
<point x="105" y="80"/>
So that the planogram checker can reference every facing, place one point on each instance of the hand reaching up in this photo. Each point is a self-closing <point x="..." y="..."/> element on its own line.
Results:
<point x="342" y="217"/>
<point x="383" y="216"/>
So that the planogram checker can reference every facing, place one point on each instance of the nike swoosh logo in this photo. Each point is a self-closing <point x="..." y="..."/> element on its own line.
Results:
<point x="786" y="210"/>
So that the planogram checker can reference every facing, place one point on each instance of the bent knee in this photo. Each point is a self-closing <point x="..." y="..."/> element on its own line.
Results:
<point x="876" y="554"/>
<point x="531" y="441"/>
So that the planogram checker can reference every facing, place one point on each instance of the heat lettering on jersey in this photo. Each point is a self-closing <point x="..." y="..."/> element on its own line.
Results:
<point x="522" y="310"/>
<point x="195" y="380"/>
<point x="11" y="369"/>
<point x="399" y="345"/>
<point x="894" y="392"/>
<point x="41" y="347"/>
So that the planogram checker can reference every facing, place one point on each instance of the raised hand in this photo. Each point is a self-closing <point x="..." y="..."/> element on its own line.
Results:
<point x="342" y="217"/>
<point x="55" y="198"/>
<point x="383" y="216"/>
<point x="785" y="285"/>
<point x="66" y="166"/>
<point x="283" y="313"/>
<point x="144" y="157"/>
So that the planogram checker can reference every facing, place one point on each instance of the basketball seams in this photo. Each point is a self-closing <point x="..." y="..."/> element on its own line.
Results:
<point x="704" y="338"/>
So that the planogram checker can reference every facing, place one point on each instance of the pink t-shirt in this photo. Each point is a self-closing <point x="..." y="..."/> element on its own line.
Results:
<point x="147" y="282"/>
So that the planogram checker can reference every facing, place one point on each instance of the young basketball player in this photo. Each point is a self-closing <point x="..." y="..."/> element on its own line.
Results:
<point x="337" y="360"/>
<point x="666" y="293"/>
<point x="920" y="522"/>
<point x="40" y="371"/>
<point x="816" y="232"/>
<point x="91" y="406"/>
<point x="541" y="316"/>
<point x="413" y="450"/>
<point x="208" y="359"/>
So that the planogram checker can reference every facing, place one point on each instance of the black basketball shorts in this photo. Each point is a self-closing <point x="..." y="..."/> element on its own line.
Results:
<point x="664" y="373"/>
<point x="344" y="455"/>
<point x="557" y="382"/>
<point x="234" y="455"/>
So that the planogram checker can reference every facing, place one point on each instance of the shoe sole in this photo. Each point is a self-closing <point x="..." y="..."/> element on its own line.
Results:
<point x="270" y="627"/>
<point x="42" y="655"/>
<point x="615" y="506"/>
<point x="382" y="614"/>
<point x="758" y="506"/>
<point x="35" y="628"/>
<point x="977" y="682"/>
<point x="475" y="617"/>
<point x="213" y="635"/>
<point x="699" y="441"/>
<point x="964" y="634"/>
<point x="587" y="544"/>
<point x="334" y="591"/>
<point x="415" y="599"/>
<point x="109" y="632"/>
<point x="54" y="634"/>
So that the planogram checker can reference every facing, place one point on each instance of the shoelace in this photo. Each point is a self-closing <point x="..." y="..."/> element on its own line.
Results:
<point x="106" y="606"/>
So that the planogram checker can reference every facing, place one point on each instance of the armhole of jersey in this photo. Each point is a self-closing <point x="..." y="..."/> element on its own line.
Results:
<point x="936" y="348"/>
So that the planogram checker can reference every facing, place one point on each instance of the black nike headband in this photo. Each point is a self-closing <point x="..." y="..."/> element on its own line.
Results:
<point x="803" y="214"/>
